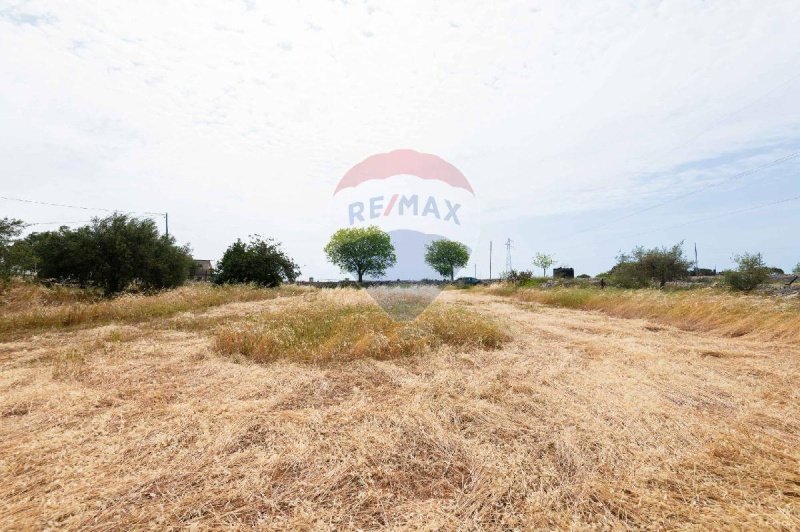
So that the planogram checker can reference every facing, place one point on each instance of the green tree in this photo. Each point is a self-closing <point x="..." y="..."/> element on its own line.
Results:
<point x="796" y="270"/>
<point x="66" y="255"/>
<point x="543" y="261"/>
<point x="446" y="256"/>
<point x="260" y="261"/>
<point x="112" y="253"/>
<point x="642" y="266"/>
<point x="9" y="230"/>
<point x="750" y="272"/>
<point x="362" y="251"/>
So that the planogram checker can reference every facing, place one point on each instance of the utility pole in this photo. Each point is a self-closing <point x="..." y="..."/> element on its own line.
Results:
<point x="696" y="269"/>
<point x="508" y="256"/>
<point x="490" y="260"/>
<point x="166" y="223"/>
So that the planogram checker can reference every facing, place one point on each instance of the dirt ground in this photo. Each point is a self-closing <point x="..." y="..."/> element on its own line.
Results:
<point x="580" y="421"/>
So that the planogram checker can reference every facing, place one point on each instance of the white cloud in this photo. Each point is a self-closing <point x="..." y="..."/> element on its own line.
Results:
<point x="243" y="116"/>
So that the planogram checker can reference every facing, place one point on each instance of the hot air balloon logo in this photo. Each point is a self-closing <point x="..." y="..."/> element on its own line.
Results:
<point x="416" y="198"/>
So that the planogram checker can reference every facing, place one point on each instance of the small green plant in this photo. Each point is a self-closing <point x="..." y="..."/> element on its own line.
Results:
<point x="532" y="282"/>
<point x="519" y="277"/>
<point x="751" y="271"/>
<point x="543" y="261"/>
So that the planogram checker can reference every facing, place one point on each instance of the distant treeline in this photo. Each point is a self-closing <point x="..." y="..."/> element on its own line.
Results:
<point x="120" y="252"/>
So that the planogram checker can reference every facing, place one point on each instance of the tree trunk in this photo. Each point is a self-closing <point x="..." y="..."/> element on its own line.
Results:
<point x="360" y="277"/>
<point x="452" y="273"/>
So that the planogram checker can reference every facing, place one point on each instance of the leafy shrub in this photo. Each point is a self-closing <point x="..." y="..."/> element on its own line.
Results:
<point x="643" y="266"/>
<point x="9" y="230"/>
<point x="260" y="262"/>
<point x="751" y="271"/>
<point x="583" y="276"/>
<point x="111" y="253"/>
<point x="518" y="276"/>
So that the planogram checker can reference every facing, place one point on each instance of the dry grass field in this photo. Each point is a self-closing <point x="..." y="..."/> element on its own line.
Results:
<point x="310" y="409"/>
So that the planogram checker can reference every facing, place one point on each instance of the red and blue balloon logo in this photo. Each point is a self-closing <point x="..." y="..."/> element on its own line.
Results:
<point x="416" y="198"/>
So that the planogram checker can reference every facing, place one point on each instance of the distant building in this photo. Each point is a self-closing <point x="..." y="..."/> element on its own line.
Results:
<point x="564" y="273"/>
<point x="202" y="270"/>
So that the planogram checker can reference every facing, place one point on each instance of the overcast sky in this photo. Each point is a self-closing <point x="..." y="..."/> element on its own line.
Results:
<point x="584" y="127"/>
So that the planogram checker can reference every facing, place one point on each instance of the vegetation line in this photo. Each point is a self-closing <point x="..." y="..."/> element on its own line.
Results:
<point x="29" y="307"/>
<point x="706" y="310"/>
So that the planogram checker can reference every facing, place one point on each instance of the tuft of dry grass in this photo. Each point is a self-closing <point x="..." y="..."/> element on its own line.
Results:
<point x="19" y="295"/>
<point x="69" y="363"/>
<point x="706" y="309"/>
<point x="27" y="309"/>
<point x="324" y="330"/>
<point x="404" y="302"/>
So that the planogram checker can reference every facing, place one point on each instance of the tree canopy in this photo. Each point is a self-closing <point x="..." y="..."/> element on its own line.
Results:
<point x="446" y="256"/>
<point x="751" y="271"/>
<point x="260" y="261"/>
<point x="362" y="251"/>
<point x="9" y="230"/>
<point x="543" y="261"/>
<point x="111" y="253"/>
<point x="642" y="266"/>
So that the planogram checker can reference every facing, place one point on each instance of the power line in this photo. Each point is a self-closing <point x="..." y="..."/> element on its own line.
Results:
<point x="720" y="119"/>
<point x="692" y="192"/>
<point x="79" y="207"/>
<point x="723" y="118"/>
<point x="58" y="223"/>
<point x="716" y="216"/>
<point x="48" y="204"/>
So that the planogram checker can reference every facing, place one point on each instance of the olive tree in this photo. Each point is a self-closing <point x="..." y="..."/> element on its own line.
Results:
<point x="362" y="251"/>
<point x="642" y="266"/>
<point x="751" y="271"/>
<point x="111" y="253"/>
